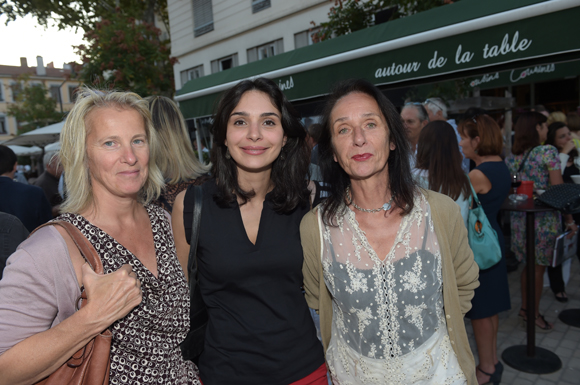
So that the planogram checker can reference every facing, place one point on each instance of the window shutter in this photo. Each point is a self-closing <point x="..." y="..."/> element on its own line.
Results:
<point x="279" y="46"/>
<point x="252" y="54"/>
<point x="202" y="17"/>
<point x="215" y="66"/>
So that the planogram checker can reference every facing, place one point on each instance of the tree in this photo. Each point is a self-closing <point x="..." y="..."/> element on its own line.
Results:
<point x="127" y="54"/>
<point x="348" y="16"/>
<point x="33" y="108"/>
<point x="83" y="14"/>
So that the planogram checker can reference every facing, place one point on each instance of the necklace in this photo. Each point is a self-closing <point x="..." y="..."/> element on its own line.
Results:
<point x="385" y="207"/>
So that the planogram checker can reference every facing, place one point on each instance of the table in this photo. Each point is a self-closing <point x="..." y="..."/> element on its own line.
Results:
<point x="529" y="358"/>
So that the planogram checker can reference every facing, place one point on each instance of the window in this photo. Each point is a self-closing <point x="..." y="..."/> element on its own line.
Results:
<point x="55" y="93"/>
<point x="224" y="63"/>
<point x="202" y="17"/>
<point x="192" y="73"/>
<point x="16" y="90"/>
<point x="260" y="5"/>
<point x="1" y="91"/>
<point x="266" y="50"/>
<point x="72" y="94"/>
<point x="3" y="125"/>
<point x="302" y="39"/>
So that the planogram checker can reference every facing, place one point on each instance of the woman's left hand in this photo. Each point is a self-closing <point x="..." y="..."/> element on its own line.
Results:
<point x="573" y="227"/>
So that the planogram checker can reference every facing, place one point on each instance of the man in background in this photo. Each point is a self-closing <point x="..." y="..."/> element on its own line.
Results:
<point x="27" y="203"/>
<point x="48" y="180"/>
<point x="414" y="118"/>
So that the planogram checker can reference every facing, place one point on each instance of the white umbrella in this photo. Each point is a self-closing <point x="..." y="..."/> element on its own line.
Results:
<point x="39" y="137"/>
<point x="21" y="150"/>
<point x="52" y="147"/>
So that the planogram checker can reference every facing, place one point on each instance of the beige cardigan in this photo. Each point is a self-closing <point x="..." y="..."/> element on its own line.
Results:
<point x="460" y="274"/>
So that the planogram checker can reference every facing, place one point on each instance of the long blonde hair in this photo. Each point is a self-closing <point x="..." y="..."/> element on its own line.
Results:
<point x="73" y="152"/>
<point x="178" y="162"/>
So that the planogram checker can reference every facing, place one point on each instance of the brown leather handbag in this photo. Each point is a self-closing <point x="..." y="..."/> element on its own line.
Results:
<point x="91" y="364"/>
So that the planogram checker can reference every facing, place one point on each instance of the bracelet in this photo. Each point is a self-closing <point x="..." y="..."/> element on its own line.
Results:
<point x="570" y="224"/>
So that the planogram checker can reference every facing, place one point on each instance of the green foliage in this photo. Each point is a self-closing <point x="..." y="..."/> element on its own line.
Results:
<point x="348" y="16"/>
<point x="128" y="55"/>
<point x="83" y="14"/>
<point x="33" y="107"/>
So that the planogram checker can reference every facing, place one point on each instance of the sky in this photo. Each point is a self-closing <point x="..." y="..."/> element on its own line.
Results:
<point x="25" y="38"/>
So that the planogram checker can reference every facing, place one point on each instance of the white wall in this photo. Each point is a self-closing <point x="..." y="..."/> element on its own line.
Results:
<point x="236" y="29"/>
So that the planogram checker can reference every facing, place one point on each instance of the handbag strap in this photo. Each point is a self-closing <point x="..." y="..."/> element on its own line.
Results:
<point x="195" y="226"/>
<point x="524" y="160"/>
<point x="473" y="193"/>
<point x="85" y="247"/>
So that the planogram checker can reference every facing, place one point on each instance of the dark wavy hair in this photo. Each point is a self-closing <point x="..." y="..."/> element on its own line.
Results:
<point x="551" y="139"/>
<point x="438" y="153"/>
<point x="289" y="170"/>
<point x="401" y="182"/>
<point x="525" y="134"/>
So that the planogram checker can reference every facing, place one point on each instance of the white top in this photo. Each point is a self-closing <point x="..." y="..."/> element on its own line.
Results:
<point x="388" y="324"/>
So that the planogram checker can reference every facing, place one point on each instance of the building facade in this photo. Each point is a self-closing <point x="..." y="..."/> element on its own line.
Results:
<point x="209" y="36"/>
<point x="56" y="80"/>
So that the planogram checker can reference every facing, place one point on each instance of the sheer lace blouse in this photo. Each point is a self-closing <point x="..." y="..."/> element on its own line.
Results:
<point x="388" y="307"/>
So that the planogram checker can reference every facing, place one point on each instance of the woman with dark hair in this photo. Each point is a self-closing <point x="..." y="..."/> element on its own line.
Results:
<point x="387" y="265"/>
<point x="540" y="164"/>
<point x="438" y="165"/>
<point x="482" y="142"/>
<point x="560" y="137"/>
<point x="249" y="254"/>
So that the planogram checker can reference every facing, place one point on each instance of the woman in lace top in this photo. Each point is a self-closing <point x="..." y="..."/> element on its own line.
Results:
<point x="177" y="162"/>
<point x="387" y="265"/>
<point x="109" y="152"/>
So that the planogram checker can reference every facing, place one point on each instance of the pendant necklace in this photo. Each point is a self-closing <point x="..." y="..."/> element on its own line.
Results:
<point x="386" y="207"/>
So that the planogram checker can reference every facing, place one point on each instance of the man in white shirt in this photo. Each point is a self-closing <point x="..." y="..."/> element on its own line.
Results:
<point x="414" y="117"/>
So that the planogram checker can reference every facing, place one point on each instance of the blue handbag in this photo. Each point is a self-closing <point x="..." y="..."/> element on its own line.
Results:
<point x="482" y="237"/>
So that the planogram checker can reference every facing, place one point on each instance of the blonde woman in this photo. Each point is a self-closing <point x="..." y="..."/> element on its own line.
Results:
<point x="177" y="162"/>
<point x="109" y="152"/>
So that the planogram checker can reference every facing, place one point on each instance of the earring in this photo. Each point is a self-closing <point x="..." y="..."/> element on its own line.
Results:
<point x="228" y="156"/>
<point x="282" y="156"/>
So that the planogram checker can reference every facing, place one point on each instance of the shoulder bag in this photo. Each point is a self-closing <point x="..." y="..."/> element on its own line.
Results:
<point x="192" y="346"/>
<point x="482" y="237"/>
<point x="91" y="364"/>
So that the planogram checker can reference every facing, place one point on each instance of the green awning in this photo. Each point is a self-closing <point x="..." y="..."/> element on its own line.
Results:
<point x="465" y="36"/>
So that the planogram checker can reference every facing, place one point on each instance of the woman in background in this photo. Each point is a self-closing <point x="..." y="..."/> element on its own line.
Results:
<point x="482" y="142"/>
<point x="560" y="137"/>
<point x="540" y="164"/>
<point x="438" y="165"/>
<point x="177" y="161"/>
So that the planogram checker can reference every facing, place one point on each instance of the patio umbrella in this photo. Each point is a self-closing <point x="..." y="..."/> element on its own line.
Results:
<point x="21" y="150"/>
<point x="39" y="137"/>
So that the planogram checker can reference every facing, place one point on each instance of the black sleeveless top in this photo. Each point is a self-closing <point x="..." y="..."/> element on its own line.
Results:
<point x="260" y="330"/>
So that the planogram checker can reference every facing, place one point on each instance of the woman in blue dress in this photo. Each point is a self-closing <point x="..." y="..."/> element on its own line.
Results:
<point x="482" y="142"/>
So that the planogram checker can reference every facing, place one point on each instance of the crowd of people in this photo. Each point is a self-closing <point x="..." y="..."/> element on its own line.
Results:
<point x="334" y="255"/>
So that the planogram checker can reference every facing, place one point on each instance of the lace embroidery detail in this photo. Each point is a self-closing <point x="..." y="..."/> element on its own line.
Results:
<point x="414" y="314"/>
<point x="388" y="319"/>
<point x="412" y="279"/>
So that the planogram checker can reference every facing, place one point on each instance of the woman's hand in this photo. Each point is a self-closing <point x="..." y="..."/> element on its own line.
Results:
<point x="569" y="146"/>
<point x="572" y="227"/>
<point x="112" y="296"/>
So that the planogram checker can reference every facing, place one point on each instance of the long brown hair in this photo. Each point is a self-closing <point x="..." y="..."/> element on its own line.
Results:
<point x="525" y="134"/>
<point x="438" y="153"/>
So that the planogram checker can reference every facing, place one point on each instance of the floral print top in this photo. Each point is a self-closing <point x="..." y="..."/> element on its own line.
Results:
<point x="541" y="160"/>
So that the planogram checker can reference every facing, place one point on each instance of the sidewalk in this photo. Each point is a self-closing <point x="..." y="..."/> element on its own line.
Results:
<point x="564" y="340"/>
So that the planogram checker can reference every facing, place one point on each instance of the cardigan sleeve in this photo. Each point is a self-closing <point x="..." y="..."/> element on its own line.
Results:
<point x="310" y="269"/>
<point x="466" y="269"/>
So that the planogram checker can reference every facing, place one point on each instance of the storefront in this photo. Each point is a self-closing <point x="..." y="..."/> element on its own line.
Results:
<point x="483" y="40"/>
